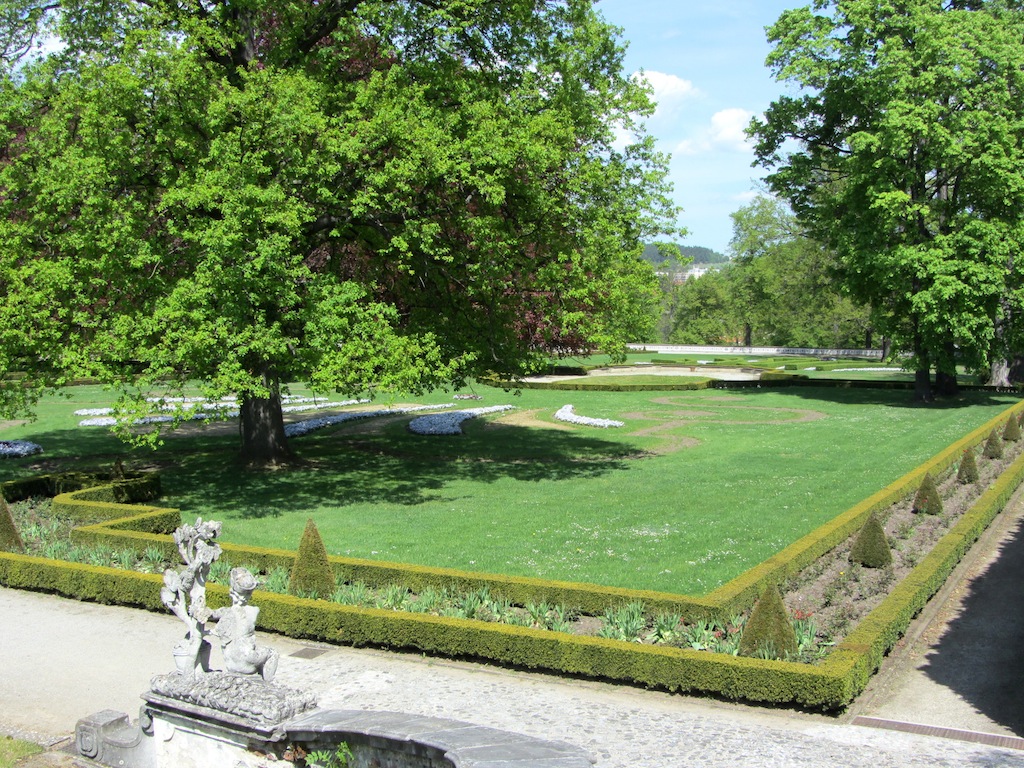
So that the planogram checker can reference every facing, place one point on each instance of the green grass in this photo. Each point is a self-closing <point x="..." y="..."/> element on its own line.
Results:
<point x="697" y="488"/>
<point x="12" y="750"/>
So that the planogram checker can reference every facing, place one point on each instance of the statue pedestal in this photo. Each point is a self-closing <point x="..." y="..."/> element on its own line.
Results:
<point x="176" y="734"/>
<point x="215" y="719"/>
<point x="188" y="735"/>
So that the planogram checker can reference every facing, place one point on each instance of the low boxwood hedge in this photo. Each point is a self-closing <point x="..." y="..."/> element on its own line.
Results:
<point x="830" y="684"/>
<point x="608" y="384"/>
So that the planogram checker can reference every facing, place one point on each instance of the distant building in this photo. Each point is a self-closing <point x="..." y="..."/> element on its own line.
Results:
<point x="679" y="276"/>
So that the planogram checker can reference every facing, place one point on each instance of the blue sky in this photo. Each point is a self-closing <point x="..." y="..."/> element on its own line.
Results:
<point x="705" y="61"/>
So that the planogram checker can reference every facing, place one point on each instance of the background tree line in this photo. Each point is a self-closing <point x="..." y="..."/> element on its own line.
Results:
<point x="780" y="288"/>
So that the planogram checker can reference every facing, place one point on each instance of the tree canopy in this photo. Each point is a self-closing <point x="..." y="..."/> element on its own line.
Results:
<point x="779" y="289"/>
<point x="367" y="196"/>
<point x="901" y="150"/>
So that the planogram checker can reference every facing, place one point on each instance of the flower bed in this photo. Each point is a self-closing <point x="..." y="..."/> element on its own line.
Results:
<point x="300" y="428"/>
<point x="450" y="423"/>
<point x="16" y="449"/>
<point x="568" y="414"/>
<point x="198" y="409"/>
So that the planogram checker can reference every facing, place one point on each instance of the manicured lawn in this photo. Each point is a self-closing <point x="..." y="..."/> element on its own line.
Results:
<point x="695" y="489"/>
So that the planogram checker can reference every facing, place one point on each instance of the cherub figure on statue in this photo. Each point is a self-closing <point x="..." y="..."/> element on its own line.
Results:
<point x="236" y="628"/>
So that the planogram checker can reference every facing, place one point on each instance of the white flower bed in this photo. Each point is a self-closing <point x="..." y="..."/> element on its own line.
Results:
<point x="299" y="428"/>
<point x="94" y="411"/>
<point x="450" y="423"/>
<point x="226" y="408"/>
<point x="567" y="414"/>
<point x="16" y="449"/>
<point x="109" y="421"/>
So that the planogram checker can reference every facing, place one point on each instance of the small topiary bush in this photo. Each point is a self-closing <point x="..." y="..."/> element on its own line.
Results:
<point x="967" y="474"/>
<point x="928" y="500"/>
<point x="10" y="539"/>
<point x="993" y="446"/>
<point x="871" y="549"/>
<point x="1011" y="432"/>
<point x="769" y="630"/>
<point x="311" y="572"/>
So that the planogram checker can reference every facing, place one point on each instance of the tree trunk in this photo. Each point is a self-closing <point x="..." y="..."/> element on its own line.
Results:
<point x="999" y="373"/>
<point x="946" y="384"/>
<point x="922" y="372"/>
<point x="748" y="335"/>
<point x="262" y="427"/>
<point x="922" y="385"/>
<point x="869" y="337"/>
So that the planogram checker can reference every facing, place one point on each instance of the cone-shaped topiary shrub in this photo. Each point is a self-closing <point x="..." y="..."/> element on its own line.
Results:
<point x="993" y="446"/>
<point x="871" y="549"/>
<point x="1011" y="432"/>
<point x="10" y="539"/>
<point x="769" y="630"/>
<point x="968" y="471"/>
<point x="311" y="571"/>
<point x="928" y="500"/>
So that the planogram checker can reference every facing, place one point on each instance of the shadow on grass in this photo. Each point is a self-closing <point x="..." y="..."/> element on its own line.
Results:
<point x="72" y="449"/>
<point x="978" y="657"/>
<point x="202" y="474"/>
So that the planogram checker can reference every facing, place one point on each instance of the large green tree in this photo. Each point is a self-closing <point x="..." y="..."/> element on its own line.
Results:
<point x="901" y="149"/>
<point x="367" y="196"/>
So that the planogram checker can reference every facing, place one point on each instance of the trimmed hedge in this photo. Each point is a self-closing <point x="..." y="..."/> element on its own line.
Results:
<point x="85" y="486"/>
<point x="831" y="684"/>
<point x="612" y="386"/>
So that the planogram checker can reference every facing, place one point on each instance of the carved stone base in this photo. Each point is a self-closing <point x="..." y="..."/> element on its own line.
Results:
<point x="245" y="697"/>
<point x="175" y="734"/>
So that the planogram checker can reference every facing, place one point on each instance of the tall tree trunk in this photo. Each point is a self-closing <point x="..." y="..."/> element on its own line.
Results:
<point x="946" y="384"/>
<point x="262" y="426"/>
<point x="748" y="335"/>
<point x="999" y="373"/>
<point x="1002" y="370"/>
<point x="922" y="371"/>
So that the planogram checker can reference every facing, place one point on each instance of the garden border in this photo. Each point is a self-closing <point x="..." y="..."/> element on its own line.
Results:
<point x="831" y="684"/>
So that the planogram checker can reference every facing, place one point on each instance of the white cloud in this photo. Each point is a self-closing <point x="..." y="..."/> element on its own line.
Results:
<point x="726" y="131"/>
<point x="668" y="91"/>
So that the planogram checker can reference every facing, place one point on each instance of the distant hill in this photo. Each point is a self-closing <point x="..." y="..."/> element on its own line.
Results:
<point x="699" y="254"/>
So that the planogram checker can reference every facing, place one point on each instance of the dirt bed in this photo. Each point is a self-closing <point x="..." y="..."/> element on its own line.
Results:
<point x="838" y="593"/>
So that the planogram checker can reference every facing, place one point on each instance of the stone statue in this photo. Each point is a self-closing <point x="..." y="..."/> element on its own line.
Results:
<point x="236" y="628"/>
<point x="184" y="592"/>
<point x="243" y="690"/>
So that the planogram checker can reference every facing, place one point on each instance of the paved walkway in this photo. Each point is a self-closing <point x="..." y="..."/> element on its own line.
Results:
<point x="61" y="660"/>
